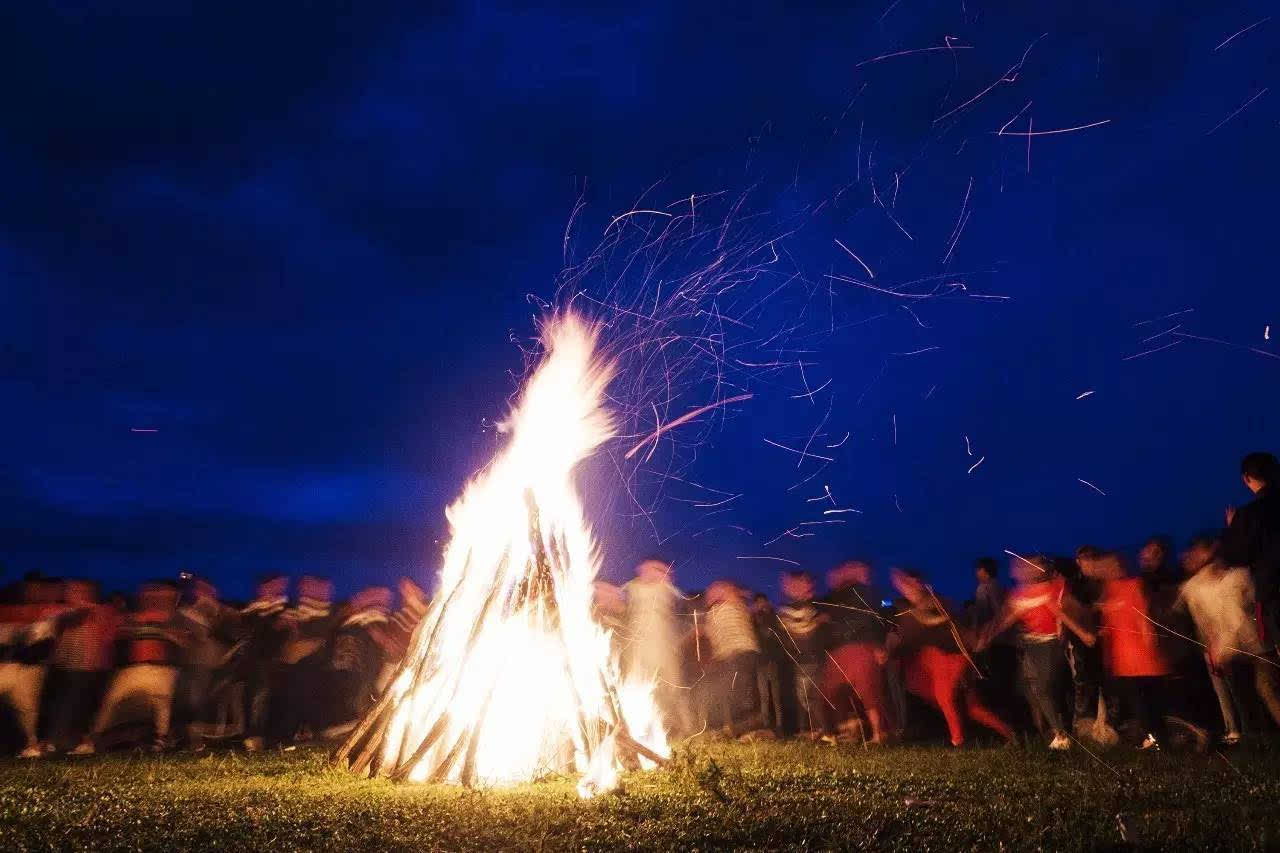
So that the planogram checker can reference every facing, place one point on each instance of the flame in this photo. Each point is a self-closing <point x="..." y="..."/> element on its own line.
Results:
<point x="509" y="678"/>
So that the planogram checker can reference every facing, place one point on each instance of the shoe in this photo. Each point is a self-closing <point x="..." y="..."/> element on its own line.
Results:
<point x="1231" y="739"/>
<point x="85" y="748"/>
<point x="1149" y="742"/>
<point x="253" y="744"/>
<point x="1060" y="743"/>
<point x="31" y="752"/>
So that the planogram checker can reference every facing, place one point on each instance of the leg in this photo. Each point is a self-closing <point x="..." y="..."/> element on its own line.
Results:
<point x="984" y="716"/>
<point x="1264" y="681"/>
<point x="945" y="677"/>
<point x="25" y="698"/>
<point x="1226" y="701"/>
<point x="1038" y="662"/>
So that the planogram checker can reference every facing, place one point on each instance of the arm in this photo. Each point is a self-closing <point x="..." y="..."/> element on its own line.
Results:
<point x="1086" y="636"/>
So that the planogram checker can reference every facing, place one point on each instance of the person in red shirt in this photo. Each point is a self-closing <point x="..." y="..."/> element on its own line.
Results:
<point x="1131" y="647"/>
<point x="1040" y="606"/>
<point x="83" y="655"/>
<point x="150" y="669"/>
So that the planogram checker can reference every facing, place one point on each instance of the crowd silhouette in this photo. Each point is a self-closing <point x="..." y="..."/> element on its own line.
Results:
<point x="1175" y="653"/>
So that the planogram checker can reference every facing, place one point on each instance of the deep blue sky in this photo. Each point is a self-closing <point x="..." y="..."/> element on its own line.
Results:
<point x="298" y="239"/>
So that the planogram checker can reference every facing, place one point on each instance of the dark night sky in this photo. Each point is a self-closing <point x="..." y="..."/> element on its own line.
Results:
<point x="296" y="240"/>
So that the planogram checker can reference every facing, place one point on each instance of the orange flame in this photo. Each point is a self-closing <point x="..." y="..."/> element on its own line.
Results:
<point x="510" y="676"/>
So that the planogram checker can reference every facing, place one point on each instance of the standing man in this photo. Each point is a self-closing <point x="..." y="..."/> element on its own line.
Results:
<point x="1252" y="537"/>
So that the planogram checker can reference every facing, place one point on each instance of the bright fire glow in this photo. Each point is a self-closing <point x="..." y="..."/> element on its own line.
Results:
<point x="509" y="676"/>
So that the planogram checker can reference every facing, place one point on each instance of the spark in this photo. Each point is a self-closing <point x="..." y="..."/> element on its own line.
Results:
<point x="839" y="511"/>
<point x="895" y="429"/>
<point x="1030" y="119"/>
<point x="1239" y="110"/>
<point x="976" y="464"/>
<point x="932" y="388"/>
<point x="718" y="503"/>
<point x="1162" y="334"/>
<point x="1085" y="394"/>
<point x="918" y="351"/>
<point x="1029" y="133"/>
<point x="775" y="559"/>
<point x="810" y="394"/>
<point x="1186" y="336"/>
<point x="896" y="502"/>
<point x="967" y="447"/>
<point x="802" y="453"/>
<point x="1000" y="132"/>
<point x="962" y="218"/>
<point x="1266" y="333"/>
<point x="1150" y="351"/>
<point x="1022" y="558"/>
<point x="1240" y="33"/>
<point x="916" y="50"/>
<point x="1165" y="317"/>
<point x="825" y="496"/>
<point x="143" y="429"/>
<point x="899" y="224"/>
<point x="620" y="217"/>
<point x="841" y="441"/>
<point x="1092" y="486"/>
<point x="1007" y="77"/>
<point x="856" y="258"/>
<point x="682" y="419"/>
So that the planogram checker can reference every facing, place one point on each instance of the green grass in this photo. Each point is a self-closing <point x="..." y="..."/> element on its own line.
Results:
<point x="771" y="795"/>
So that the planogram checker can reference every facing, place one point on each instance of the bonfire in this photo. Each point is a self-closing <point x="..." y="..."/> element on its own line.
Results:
<point x="509" y="678"/>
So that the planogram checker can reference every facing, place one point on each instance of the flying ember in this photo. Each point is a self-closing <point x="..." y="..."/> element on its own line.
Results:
<point x="509" y="678"/>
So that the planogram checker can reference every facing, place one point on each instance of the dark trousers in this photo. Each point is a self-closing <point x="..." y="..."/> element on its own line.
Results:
<point x="299" y="697"/>
<point x="1040" y="663"/>
<point x="733" y="694"/>
<point x="1145" y="696"/>
<point x="811" y="705"/>
<point x="74" y="695"/>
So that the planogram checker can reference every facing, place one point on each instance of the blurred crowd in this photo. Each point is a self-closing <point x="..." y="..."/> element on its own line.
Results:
<point x="176" y="665"/>
<point x="1173" y="652"/>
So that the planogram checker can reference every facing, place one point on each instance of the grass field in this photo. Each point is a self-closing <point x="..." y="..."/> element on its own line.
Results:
<point x="769" y="795"/>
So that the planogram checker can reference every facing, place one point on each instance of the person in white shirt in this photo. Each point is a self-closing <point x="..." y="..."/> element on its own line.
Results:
<point x="1221" y="601"/>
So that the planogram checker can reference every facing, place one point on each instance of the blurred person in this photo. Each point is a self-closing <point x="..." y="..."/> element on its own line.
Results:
<point x="988" y="597"/>
<point x="83" y="656"/>
<point x="805" y="638"/>
<point x="1131" y="647"/>
<point x="1221" y="601"/>
<point x="1038" y="605"/>
<point x="254" y="659"/>
<point x="1155" y="565"/>
<point x="360" y="646"/>
<point x="1094" y="710"/>
<point x="652" y="635"/>
<point x="205" y="623"/>
<point x="27" y="634"/>
<point x="857" y="636"/>
<point x="934" y="653"/>
<point x="772" y="661"/>
<point x="404" y="621"/>
<point x="301" y="668"/>
<point x="999" y="661"/>
<point x="153" y="640"/>
<point x="735" y="654"/>
<point x="1252" y="539"/>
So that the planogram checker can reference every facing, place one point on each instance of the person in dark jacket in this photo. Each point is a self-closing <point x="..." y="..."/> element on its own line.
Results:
<point x="261" y="636"/>
<point x="1252" y="538"/>
<point x="857" y="637"/>
<point x="804" y="636"/>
